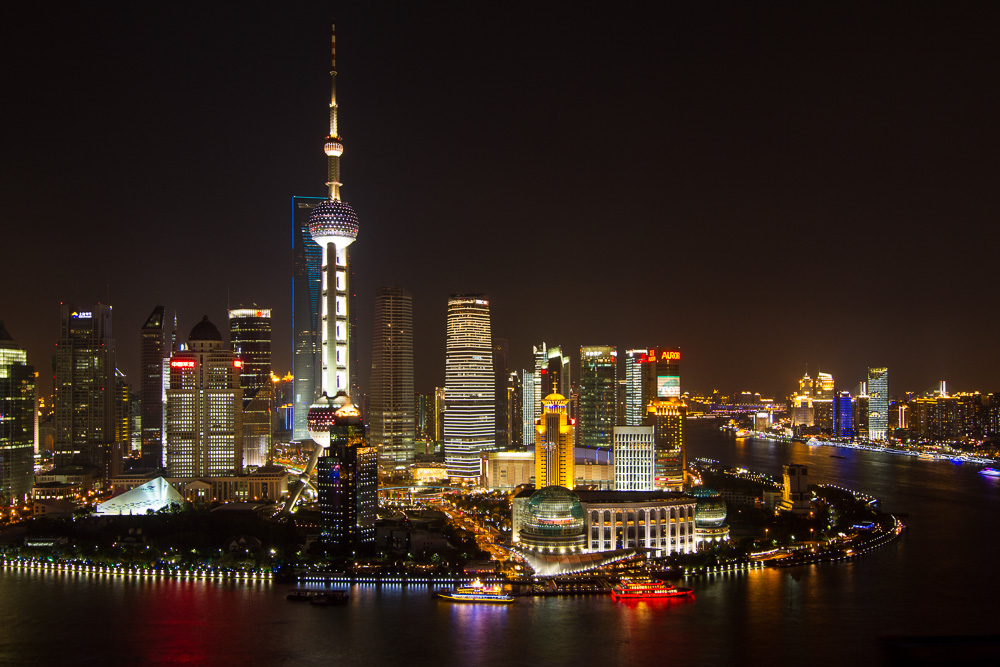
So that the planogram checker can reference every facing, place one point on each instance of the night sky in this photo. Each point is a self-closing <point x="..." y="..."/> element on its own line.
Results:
<point x="772" y="188"/>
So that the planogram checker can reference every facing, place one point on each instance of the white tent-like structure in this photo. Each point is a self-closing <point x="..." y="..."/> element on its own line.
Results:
<point x="153" y="495"/>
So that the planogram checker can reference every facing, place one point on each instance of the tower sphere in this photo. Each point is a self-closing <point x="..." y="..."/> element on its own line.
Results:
<point x="333" y="221"/>
<point x="328" y="412"/>
<point x="333" y="147"/>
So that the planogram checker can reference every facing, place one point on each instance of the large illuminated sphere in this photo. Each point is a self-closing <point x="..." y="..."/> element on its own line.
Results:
<point x="333" y="221"/>
<point x="327" y="413"/>
<point x="333" y="147"/>
<point x="711" y="510"/>
<point x="555" y="521"/>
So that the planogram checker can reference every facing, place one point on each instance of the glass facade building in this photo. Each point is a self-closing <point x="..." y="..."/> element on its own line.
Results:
<point x="470" y="410"/>
<point x="307" y="260"/>
<point x="598" y="394"/>
<point x="878" y="404"/>
<point x="250" y="334"/>
<point x="153" y="349"/>
<point x="391" y="412"/>
<point x="17" y="421"/>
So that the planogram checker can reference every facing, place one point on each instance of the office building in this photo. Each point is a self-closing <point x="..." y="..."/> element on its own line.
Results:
<point x="598" y="394"/>
<point x="250" y="335"/>
<point x="154" y="347"/>
<point x="844" y="416"/>
<point x="501" y="355"/>
<point x="346" y="474"/>
<point x="470" y="404"/>
<point x="85" y="384"/>
<point x="666" y="416"/>
<point x="528" y="404"/>
<point x="515" y="410"/>
<point x="796" y="496"/>
<point x="204" y="422"/>
<point x="307" y="360"/>
<point x="554" y="461"/>
<point x="439" y="408"/>
<point x="17" y="421"/>
<point x="391" y="413"/>
<point x="878" y="404"/>
<point x="424" y="417"/>
<point x="634" y="458"/>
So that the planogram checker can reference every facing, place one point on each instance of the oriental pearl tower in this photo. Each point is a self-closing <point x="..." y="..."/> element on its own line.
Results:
<point x="333" y="224"/>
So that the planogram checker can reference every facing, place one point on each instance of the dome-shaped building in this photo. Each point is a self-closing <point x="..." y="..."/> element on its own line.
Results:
<point x="710" y="517"/>
<point x="555" y="521"/>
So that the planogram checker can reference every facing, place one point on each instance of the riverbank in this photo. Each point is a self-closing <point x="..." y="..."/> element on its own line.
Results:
<point x="132" y="571"/>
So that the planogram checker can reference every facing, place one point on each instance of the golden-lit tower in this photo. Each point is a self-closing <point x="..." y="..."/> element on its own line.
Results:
<point x="554" y="444"/>
<point x="667" y="415"/>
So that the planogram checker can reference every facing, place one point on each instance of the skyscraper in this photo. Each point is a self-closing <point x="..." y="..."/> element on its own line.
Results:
<point x="391" y="414"/>
<point x="85" y="392"/>
<point x="554" y="462"/>
<point x="634" y="456"/>
<point x="528" y="404"/>
<point x="515" y="407"/>
<point x="153" y="349"/>
<point x="666" y="416"/>
<point x="346" y="476"/>
<point x="638" y="366"/>
<point x="307" y="345"/>
<point x="501" y="354"/>
<point x="469" y="417"/>
<point x="17" y="421"/>
<point x="598" y="394"/>
<point x="844" y="416"/>
<point x="878" y="404"/>
<point x="250" y="334"/>
<point x="204" y="407"/>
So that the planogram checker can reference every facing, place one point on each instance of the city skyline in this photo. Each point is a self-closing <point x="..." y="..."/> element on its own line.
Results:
<point x="749" y="139"/>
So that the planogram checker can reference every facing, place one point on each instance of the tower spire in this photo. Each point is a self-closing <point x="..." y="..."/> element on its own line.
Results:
<point x="334" y="147"/>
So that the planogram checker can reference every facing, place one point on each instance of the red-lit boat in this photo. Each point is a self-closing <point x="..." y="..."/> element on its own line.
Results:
<point x="647" y="588"/>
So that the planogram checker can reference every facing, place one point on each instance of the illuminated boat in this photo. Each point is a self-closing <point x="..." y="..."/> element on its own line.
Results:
<point x="476" y="592"/>
<point x="646" y="588"/>
<point x="990" y="472"/>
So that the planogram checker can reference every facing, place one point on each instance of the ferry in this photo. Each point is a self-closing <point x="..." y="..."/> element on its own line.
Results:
<point x="476" y="592"/>
<point x="646" y="588"/>
<point x="990" y="472"/>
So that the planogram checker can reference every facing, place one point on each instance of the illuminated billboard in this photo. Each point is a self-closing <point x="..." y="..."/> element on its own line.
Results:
<point x="668" y="386"/>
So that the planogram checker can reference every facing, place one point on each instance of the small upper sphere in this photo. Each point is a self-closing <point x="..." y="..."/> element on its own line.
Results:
<point x="333" y="219"/>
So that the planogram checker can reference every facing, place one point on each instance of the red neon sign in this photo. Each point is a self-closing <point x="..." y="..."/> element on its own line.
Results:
<point x="237" y="364"/>
<point x="182" y="363"/>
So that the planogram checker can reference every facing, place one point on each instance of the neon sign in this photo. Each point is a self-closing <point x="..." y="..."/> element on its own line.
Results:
<point x="182" y="363"/>
<point x="237" y="363"/>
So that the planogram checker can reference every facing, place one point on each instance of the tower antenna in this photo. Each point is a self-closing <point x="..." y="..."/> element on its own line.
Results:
<point x="334" y="147"/>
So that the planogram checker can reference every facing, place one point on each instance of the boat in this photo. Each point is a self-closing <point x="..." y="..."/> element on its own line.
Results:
<point x="477" y="591"/>
<point x="990" y="472"/>
<point x="316" y="596"/>
<point x="647" y="588"/>
<point x="326" y="598"/>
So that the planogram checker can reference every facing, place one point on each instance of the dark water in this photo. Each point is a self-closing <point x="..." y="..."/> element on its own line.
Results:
<point x="939" y="579"/>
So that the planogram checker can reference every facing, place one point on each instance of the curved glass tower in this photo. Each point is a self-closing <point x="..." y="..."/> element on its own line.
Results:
<point x="469" y="426"/>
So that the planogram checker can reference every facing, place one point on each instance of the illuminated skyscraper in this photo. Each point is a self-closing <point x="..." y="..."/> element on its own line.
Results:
<point x="17" y="421"/>
<point x="515" y="407"/>
<point x="250" y="333"/>
<point x="634" y="448"/>
<point x="666" y="416"/>
<point x="528" y="404"/>
<point x="391" y="415"/>
<point x="554" y="462"/>
<point x="334" y="226"/>
<point x="844" y="416"/>
<point x="878" y="404"/>
<point x="204" y="407"/>
<point x="501" y="353"/>
<point x="85" y="392"/>
<point x="598" y="394"/>
<point x="154" y="348"/>
<point x="469" y="417"/>
<point x="650" y="373"/>
<point x="307" y="345"/>
<point x="346" y="476"/>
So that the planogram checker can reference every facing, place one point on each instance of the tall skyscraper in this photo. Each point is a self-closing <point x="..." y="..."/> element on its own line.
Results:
<point x="346" y="475"/>
<point x="469" y="417"/>
<point x="501" y="354"/>
<point x="528" y="404"/>
<point x="598" y="394"/>
<point x="844" y="416"/>
<point x="333" y="224"/>
<point x="391" y="414"/>
<point x="154" y="347"/>
<point x="666" y="416"/>
<point x="554" y="462"/>
<point x="204" y="422"/>
<point x="307" y="345"/>
<point x="638" y="366"/>
<point x="439" y="407"/>
<point x="878" y="404"/>
<point x="250" y="334"/>
<point x="634" y="457"/>
<point x="17" y="421"/>
<point x="85" y="392"/>
<point x="541" y="357"/>
<point x="515" y="407"/>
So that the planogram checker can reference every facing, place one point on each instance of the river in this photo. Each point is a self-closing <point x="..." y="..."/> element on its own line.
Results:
<point x="937" y="579"/>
